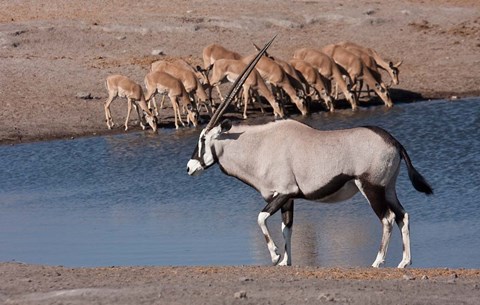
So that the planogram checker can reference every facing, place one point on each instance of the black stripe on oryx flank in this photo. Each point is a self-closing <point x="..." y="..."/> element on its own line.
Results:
<point x="334" y="185"/>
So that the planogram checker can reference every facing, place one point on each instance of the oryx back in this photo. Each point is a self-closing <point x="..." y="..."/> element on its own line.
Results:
<point x="289" y="157"/>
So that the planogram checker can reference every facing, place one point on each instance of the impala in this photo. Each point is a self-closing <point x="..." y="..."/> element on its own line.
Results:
<point x="328" y="69"/>
<point x="357" y="69"/>
<point x="164" y="83"/>
<point x="122" y="86"/>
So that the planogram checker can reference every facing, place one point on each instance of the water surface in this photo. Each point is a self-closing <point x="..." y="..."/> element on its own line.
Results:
<point x="127" y="200"/>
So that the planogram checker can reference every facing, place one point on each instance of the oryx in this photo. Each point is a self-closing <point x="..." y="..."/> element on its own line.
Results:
<point x="286" y="159"/>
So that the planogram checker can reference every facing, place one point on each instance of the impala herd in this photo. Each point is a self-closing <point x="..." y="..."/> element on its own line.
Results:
<point x="312" y="74"/>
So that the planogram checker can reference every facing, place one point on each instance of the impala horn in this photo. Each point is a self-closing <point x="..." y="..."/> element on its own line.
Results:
<point x="236" y="87"/>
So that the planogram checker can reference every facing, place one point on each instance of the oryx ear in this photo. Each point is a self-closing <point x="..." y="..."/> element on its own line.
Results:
<point x="225" y="125"/>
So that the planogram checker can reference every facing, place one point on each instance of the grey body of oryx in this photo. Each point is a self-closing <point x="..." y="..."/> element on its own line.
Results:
<point x="285" y="160"/>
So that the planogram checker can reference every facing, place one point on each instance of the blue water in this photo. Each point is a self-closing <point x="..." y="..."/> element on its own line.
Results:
<point x="127" y="200"/>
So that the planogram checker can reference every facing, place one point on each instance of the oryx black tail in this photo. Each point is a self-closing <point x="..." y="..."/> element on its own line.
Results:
<point x="418" y="181"/>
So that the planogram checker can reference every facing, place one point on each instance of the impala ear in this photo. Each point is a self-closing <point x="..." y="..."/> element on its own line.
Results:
<point x="225" y="125"/>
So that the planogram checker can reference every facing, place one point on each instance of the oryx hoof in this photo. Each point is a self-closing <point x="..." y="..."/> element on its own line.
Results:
<point x="284" y="262"/>
<point x="377" y="264"/>
<point x="404" y="264"/>
<point x="276" y="259"/>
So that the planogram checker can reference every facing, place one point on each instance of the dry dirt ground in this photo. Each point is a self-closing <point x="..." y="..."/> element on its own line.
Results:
<point x="54" y="52"/>
<point x="31" y="284"/>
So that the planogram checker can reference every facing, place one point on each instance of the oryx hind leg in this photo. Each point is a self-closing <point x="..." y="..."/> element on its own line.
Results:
<point x="376" y="196"/>
<point x="287" y="226"/>
<point x="271" y="208"/>
<point x="403" y="223"/>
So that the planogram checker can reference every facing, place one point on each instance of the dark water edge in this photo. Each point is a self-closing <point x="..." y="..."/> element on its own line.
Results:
<point x="400" y="97"/>
<point x="126" y="200"/>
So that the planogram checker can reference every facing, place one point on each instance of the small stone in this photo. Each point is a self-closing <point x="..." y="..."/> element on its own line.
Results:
<point x="157" y="52"/>
<point x="84" y="95"/>
<point x="240" y="295"/>
<point x="452" y="278"/>
<point x="246" y="279"/>
<point x="326" y="297"/>
<point x="425" y="277"/>
<point x="369" y="12"/>
<point x="407" y="277"/>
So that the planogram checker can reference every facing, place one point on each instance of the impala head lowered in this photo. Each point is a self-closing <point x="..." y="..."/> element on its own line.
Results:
<point x="204" y="156"/>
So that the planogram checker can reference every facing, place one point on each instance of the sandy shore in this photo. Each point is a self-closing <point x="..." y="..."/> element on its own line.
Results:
<point x="31" y="284"/>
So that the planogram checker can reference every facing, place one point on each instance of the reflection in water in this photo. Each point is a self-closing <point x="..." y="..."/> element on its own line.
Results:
<point x="127" y="200"/>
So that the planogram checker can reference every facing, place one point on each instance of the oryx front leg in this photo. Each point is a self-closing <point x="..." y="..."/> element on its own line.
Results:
<point x="271" y="208"/>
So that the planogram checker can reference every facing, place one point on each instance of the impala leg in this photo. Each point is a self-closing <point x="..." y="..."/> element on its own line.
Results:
<point x="327" y="99"/>
<point x="150" y="97"/>
<point x="108" y="114"/>
<point x="246" y="96"/>
<point x="141" y="118"/>
<point x="129" y="110"/>
<point x="270" y="209"/>
<point x="162" y="102"/>
<point x="155" y="108"/>
<point x="176" y="111"/>
<point x="360" y="86"/>
<point x="219" y="93"/>
<point x="259" y="101"/>
<point x="287" y="226"/>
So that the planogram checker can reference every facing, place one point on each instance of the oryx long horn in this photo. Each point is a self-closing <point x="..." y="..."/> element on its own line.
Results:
<point x="257" y="48"/>
<point x="236" y="87"/>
